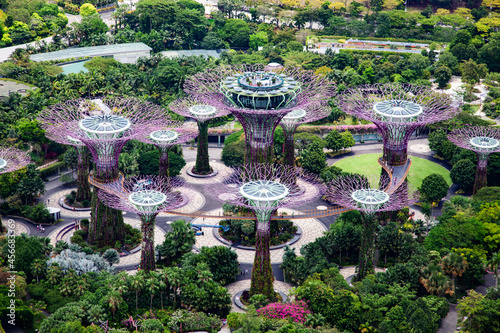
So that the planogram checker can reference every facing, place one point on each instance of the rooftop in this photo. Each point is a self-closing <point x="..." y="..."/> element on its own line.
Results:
<point x="187" y="53"/>
<point x="92" y="51"/>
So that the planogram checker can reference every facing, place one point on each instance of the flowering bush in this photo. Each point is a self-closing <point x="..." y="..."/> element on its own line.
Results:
<point x="296" y="311"/>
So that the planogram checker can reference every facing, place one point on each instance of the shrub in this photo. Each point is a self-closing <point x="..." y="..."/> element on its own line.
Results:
<point x="296" y="311"/>
<point x="149" y="325"/>
<point x="234" y="320"/>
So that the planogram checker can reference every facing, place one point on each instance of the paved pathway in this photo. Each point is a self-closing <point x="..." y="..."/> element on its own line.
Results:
<point x="234" y="288"/>
<point x="223" y="170"/>
<point x="311" y="229"/>
<point x="19" y="227"/>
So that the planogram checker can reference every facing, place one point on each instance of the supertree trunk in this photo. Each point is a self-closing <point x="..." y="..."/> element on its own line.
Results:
<point x="83" y="187"/>
<point x="395" y="155"/>
<point x="147" y="244"/>
<point x="262" y="272"/>
<point x="164" y="163"/>
<point x="259" y="155"/>
<point x="481" y="173"/>
<point x="289" y="149"/>
<point x="106" y="224"/>
<point x="396" y="143"/>
<point x="367" y="248"/>
<point x="202" y="166"/>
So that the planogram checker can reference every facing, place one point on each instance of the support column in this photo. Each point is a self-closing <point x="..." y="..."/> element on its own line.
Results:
<point x="147" y="245"/>
<point x="289" y="148"/>
<point x="367" y="249"/>
<point x="482" y="172"/>
<point x="262" y="272"/>
<point x="202" y="166"/>
<point x="164" y="164"/>
<point x="82" y="183"/>
<point x="106" y="224"/>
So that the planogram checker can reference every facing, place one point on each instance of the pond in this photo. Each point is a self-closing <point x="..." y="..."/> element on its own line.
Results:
<point x="75" y="67"/>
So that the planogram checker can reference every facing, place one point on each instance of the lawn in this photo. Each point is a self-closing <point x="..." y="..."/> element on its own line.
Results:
<point x="367" y="165"/>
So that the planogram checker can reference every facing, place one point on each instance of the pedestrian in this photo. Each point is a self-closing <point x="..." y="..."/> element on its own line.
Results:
<point x="246" y="271"/>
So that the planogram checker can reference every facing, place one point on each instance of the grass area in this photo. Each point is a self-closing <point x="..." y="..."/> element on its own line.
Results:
<point x="367" y="165"/>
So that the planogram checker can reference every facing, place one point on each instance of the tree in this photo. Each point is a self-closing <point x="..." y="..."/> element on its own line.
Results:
<point x="236" y="32"/>
<point x="111" y="256"/>
<point x="438" y="141"/>
<point x="87" y="9"/>
<point x="177" y="242"/>
<point x="71" y="159"/>
<point x="395" y="321"/>
<point x="489" y="54"/>
<point x="114" y="300"/>
<point x="38" y="267"/>
<point x="152" y="286"/>
<point x="477" y="313"/>
<point x="334" y="141"/>
<point x="434" y="187"/>
<point x="388" y="239"/>
<point x="493" y="263"/>
<point x="463" y="173"/>
<point x="233" y="153"/>
<point x="230" y="6"/>
<point x="443" y="75"/>
<point x="313" y="159"/>
<point x="213" y="41"/>
<point x="31" y="185"/>
<point x="347" y="140"/>
<point x="258" y="39"/>
<point x="28" y="250"/>
<point x="304" y="140"/>
<point x="455" y="265"/>
<point x="149" y="161"/>
<point x="137" y="284"/>
<point x="472" y="72"/>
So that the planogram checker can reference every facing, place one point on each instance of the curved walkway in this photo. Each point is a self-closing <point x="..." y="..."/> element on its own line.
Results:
<point x="311" y="229"/>
<point x="235" y="287"/>
<point x="223" y="172"/>
<point x="53" y="201"/>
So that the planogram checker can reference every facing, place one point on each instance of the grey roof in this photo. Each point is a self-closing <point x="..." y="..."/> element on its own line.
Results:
<point x="92" y="51"/>
<point x="187" y="53"/>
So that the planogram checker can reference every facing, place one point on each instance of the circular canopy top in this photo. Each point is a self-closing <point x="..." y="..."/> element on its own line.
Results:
<point x="164" y="136"/>
<point x="398" y="110"/>
<point x="484" y="142"/>
<point x="260" y="81"/>
<point x="264" y="190"/>
<point x="3" y="163"/>
<point x="147" y="198"/>
<point x="295" y="115"/>
<point x="370" y="198"/>
<point x="104" y="124"/>
<point x="202" y="110"/>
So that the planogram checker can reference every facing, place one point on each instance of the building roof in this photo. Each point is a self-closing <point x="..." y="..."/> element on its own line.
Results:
<point x="187" y="53"/>
<point x="92" y="51"/>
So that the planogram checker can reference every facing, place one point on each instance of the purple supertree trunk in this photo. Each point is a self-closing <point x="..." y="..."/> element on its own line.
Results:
<point x="367" y="249"/>
<point x="202" y="166"/>
<point x="148" y="262"/>
<point x="262" y="272"/>
<point x="482" y="172"/>
<point x="289" y="148"/>
<point x="83" y="188"/>
<point x="164" y="172"/>
<point x="395" y="142"/>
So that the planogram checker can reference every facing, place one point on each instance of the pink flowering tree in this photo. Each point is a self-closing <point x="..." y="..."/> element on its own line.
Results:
<point x="297" y="311"/>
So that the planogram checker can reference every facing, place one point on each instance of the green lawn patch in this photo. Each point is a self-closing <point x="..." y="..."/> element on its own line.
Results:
<point x="367" y="165"/>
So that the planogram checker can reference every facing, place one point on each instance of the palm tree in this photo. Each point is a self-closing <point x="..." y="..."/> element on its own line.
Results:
<point x="161" y="284"/>
<point x="435" y="281"/>
<point x="114" y="301"/>
<point x="137" y="283"/>
<point x="120" y="283"/>
<point x="174" y="278"/>
<point x="54" y="274"/>
<point x="37" y="268"/>
<point x="454" y="264"/>
<point x="493" y="264"/>
<point x="152" y="286"/>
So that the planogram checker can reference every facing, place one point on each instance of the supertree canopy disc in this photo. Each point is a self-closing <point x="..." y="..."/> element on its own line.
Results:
<point x="12" y="159"/>
<point x="481" y="140"/>
<point x="264" y="188"/>
<point x="202" y="112"/>
<point x="146" y="196"/>
<point x="397" y="110"/>
<point x="355" y="192"/>
<point x="259" y="99"/>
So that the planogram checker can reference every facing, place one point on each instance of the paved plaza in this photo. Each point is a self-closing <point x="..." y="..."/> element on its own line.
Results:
<point x="236" y="287"/>
<point x="223" y="172"/>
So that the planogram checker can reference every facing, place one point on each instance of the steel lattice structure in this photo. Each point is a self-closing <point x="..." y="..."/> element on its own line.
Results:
<point x="259" y="99"/>
<point x="355" y="192"/>
<point x="481" y="140"/>
<point x="294" y="119"/>
<point x="397" y="110"/>
<point x="12" y="159"/>
<point x="165" y="137"/>
<point x="202" y="112"/>
<point x="264" y="188"/>
<point x="104" y="126"/>
<point x="147" y="196"/>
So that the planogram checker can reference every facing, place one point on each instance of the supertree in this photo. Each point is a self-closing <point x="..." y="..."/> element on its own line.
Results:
<point x="104" y="126"/>
<point x="397" y="110"/>
<point x="202" y="112"/>
<point x="82" y="185"/>
<point x="294" y="119"/>
<point x="259" y="99"/>
<point x="355" y="192"/>
<point x="481" y="140"/>
<point x="263" y="188"/>
<point x="12" y="159"/>
<point x="147" y="196"/>
<point x="165" y="137"/>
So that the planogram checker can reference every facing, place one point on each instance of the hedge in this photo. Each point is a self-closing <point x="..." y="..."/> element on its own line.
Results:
<point x="50" y="170"/>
